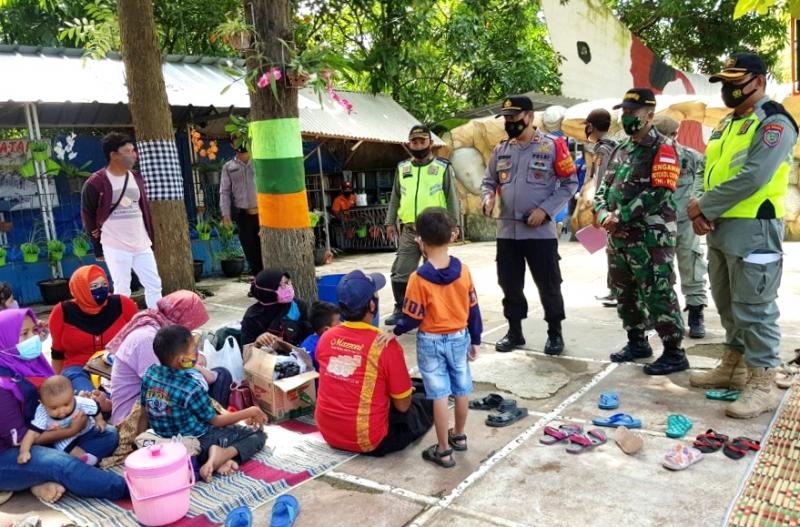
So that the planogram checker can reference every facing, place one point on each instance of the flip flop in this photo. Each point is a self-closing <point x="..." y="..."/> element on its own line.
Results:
<point x="433" y="455"/>
<point x="239" y="517"/>
<point x="285" y="511"/>
<point x="786" y="376"/>
<point x="491" y="402"/>
<point x="507" y="418"/>
<point x="629" y="442"/>
<point x="710" y="442"/>
<point x="681" y="457"/>
<point x="580" y="443"/>
<point x="723" y="395"/>
<point x="609" y="401"/>
<point x="553" y="436"/>
<point x="678" y="425"/>
<point x="738" y="447"/>
<point x="617" y="420"/>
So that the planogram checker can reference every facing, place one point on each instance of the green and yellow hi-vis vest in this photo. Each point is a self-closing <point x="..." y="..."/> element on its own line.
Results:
<point x="421" y="186"/>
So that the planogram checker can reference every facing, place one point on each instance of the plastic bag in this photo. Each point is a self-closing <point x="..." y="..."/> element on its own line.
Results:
<point x="228" y="357"/>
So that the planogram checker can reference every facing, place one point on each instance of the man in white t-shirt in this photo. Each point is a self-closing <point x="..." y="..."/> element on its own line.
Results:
<point x="115" y="213"/>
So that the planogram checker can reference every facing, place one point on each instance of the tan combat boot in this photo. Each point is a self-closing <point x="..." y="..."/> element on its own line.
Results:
<point x="731" y="373"/>
<point x="759" y="395"/>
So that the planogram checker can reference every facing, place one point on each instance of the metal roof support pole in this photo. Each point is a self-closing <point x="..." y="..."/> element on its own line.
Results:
<point x="42" y="184"/>
<point x="324" y="208"/>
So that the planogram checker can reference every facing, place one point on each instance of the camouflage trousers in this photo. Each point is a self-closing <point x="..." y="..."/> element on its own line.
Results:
<point x="642" y="279"/>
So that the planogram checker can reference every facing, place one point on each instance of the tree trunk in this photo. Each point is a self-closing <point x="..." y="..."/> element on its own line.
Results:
<point x="287" y="241"/>
<point x="155" y="140"/>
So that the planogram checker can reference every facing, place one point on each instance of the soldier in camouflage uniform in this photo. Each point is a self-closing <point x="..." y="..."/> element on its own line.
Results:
<point x="691" y="261"/>
<point x="635" y="205"/>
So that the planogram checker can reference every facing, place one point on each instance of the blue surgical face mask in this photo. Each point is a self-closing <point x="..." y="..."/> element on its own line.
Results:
<point x="100" y="295"/>
<point x="30" y="349"/>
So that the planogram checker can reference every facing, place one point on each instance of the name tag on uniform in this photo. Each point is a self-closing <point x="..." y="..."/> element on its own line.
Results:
<point x="433" y="170"/>
<point x="407" y="171"/>
<point x="503" y="164"/>
<point x="126" y="202"/>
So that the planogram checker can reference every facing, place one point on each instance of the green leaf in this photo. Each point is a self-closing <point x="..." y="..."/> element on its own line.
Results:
<point x="794" y="8"/>
<point x="743" y="7"/>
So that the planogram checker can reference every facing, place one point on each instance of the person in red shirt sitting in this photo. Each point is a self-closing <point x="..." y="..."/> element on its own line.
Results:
<point x="344" y="201"/>
<point x="83" y="326"/>
<point x="367" y="402"/>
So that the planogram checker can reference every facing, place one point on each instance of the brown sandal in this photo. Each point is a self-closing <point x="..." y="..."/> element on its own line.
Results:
<point x="433" y="455"/>
<point x="458" y="442"/>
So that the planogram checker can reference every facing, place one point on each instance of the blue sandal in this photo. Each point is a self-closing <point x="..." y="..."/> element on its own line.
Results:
<point x="617" y="420"/>
<point x="608" y="401"/>
<point x="239" y="517"/>
<point x="285" y="511"/>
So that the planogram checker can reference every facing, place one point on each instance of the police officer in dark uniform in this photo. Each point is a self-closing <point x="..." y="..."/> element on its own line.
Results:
<point x="533" y="176"/>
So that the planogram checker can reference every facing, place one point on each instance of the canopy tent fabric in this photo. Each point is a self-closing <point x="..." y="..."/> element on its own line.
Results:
<point x="71" y="91"/>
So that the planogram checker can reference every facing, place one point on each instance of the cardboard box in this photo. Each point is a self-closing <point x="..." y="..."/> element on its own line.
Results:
<point x="285" y="398"/>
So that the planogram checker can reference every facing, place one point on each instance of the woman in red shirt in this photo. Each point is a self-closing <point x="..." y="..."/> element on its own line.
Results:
<point x="83" y="326"/>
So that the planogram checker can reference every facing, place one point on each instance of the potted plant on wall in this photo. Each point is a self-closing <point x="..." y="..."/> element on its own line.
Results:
<point x="81" y="245"/>
<point x="30" y="252"/>
<point x="40" y="150"/>
<point x="203" y="228"/>
<point x="210" y="172"/>
<point x="56" y="289"/>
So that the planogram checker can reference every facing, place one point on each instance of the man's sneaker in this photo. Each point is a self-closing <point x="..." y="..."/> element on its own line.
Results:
<point x="510" y="342"/>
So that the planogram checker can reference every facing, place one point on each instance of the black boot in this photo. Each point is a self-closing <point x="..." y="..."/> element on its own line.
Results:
<point x="513" y="338"/>
<point x="672" y="360"/>
<point x="636" y="348"/>
<point x="555" y="342"/>
<point x="399" y="291"/>
<point x="697" y="327"/>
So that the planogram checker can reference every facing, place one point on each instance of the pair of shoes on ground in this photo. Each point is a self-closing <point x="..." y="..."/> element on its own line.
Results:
<point x="735" y="448"/>
<point x="508" y="411"/>
<point x="284" y="513"/>
<point x="672" y="360"/>
<point x="445" y="459"/>
<point x="572" y="433"/>
<point x="553" y="346"/>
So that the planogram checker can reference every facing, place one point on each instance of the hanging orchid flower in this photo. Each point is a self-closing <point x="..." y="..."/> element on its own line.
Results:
<point x="268" y="76"/>
<point x="344" y="103"/>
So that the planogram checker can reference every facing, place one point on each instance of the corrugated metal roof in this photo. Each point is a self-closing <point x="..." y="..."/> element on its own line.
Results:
<point x="540" y="102"/>
<point x="72" y="91"/>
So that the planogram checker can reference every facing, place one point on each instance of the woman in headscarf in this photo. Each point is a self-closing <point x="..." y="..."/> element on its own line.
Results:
<point x="85" y="325"/>
<point x="133" y="350"/>
<point x="276" y="313"/>
<point x="49" y="472"/>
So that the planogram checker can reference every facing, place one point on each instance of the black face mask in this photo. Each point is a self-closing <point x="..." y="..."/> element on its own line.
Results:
<point x="348" y="192"/>
<point x="515" y="128"/>
<point x="733" y="95"/>
<point x="421" y="154"/>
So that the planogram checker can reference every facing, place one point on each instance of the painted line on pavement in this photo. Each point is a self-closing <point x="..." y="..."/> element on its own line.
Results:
<point x="370" y="484"/>
<point x="486" y="518"/>
<point x="510" y="447"/>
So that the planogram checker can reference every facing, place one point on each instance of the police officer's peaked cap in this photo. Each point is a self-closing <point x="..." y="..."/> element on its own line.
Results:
<point x="739" y="65"/>
<point x="419" y="130"/>
<point x="637" y="98"/>
<point x="514" y="104"/>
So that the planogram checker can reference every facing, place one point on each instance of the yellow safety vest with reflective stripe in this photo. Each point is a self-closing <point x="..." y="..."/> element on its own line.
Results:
<point x="725" y="157"/>
<point x="420" y="187"/>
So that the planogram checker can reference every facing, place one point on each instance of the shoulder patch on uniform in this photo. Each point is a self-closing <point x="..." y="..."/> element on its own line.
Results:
<point x="773" y="108"/>
<point x="771" y="134"/>
<point x="666" y="168"/>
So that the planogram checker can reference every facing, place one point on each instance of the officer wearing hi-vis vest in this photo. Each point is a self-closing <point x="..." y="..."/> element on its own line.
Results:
<point x="535" y="177"/>
<point x="420" y="182"/>
<point x="748" y="159"/>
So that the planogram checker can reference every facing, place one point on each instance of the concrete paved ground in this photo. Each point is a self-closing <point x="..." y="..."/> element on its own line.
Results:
<point x="507" y="478"/>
